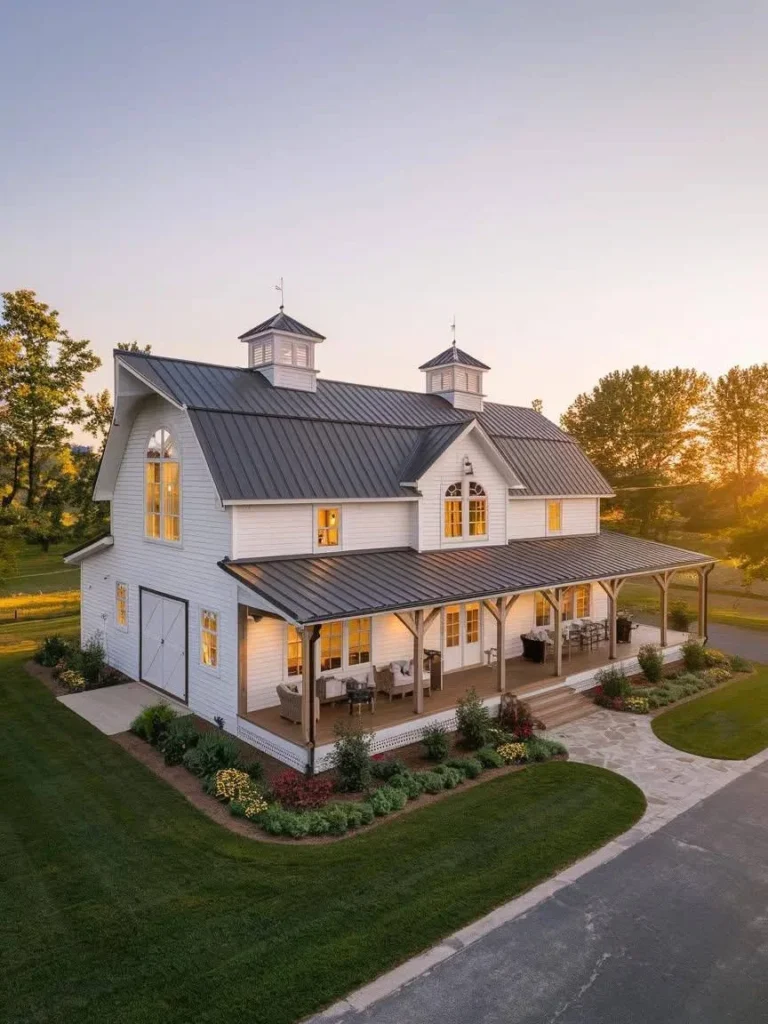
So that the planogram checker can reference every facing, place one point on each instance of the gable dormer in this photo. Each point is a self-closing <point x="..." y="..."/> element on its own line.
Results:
<point x="457" y="377"/>
<point x="283" y="350"/>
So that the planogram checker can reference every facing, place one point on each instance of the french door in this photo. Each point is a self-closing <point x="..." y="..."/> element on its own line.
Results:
<point x="462" y="636"/>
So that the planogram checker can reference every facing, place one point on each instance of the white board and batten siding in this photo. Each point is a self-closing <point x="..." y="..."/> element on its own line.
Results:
<point x="186" y="571"/>
<point x="527" y="517"/>
<point x="274" y="529"/>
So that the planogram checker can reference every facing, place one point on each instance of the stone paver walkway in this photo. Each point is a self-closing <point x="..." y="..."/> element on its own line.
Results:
<point x="672" y="780"/>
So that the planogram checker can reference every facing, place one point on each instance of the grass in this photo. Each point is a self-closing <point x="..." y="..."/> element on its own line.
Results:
<point x="730" y="723"/>
<point x="120" y="902"/>
<point x="39" y="606"/>
<point x="38" y="571"/>
<point x="751" y="613"/>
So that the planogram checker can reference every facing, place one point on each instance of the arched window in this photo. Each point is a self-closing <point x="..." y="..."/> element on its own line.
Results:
<point x="453" y="518"/>
<point x="478" y="510"/>
<point x="162" y="488"/>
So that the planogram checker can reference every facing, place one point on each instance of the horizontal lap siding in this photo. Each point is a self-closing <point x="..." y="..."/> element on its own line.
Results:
<point x="186" y="571"/>
<point x="447" y="470"/>
<point x="581" y="515"/>
<point x="376" y="524"/>
<point x="526" y="517"/>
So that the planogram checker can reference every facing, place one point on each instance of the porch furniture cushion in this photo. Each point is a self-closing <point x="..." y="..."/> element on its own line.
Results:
<point x="330" y="688"/>
<point x="392" y="682"/>
<point x="290" y="702"/>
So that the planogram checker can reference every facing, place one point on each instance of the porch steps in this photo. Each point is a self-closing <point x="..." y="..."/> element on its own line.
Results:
<point x="556" y="707"/>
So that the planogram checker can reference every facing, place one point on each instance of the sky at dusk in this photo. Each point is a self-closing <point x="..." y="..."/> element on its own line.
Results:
<point x="582" y="184"/>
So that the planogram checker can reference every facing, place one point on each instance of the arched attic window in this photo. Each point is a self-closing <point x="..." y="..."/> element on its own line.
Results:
<point x="162" y="488"/>
<point x="478" y="510"/>
<point x="453" y="518"/>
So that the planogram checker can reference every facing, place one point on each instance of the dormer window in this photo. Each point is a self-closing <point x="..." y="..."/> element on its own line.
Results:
<point x="465" y="511"/>
<point x="162" y="489"/>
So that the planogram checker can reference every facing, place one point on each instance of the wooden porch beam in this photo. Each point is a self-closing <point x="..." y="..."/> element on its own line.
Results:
<point x="429" y="619"/>
<point x="661" y="580"/>
<point x="408" y="621"/>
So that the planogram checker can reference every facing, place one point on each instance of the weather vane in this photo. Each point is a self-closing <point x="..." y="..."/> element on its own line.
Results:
<point x="453" y="328"/>
<point x="281" y="289"/>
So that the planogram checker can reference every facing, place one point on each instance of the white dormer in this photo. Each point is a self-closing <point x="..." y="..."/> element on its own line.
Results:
<point x="457" y="377"/>
<point x="283" y="350"/>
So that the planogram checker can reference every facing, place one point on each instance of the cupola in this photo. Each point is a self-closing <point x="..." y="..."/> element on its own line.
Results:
<point x="457" y="377"/>
<point x="283" y="350"/>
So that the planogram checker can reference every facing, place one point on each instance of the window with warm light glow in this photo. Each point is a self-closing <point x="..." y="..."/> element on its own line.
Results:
<point x="162" y="489"/>
<point x="294" y="652"/>
<point x="331" y="645"/>
<point x="576" y="602"/>
<point x="453" y="509"/>
<point x="209" y="638"/>
<point x="121" y="605"/>
<point x="359" y="641"/>
<point x="554" y="516"/>
<point x="452" y="624"/>
<point x="478" y="503"/>
<point x="543" y="610"/>
<point x="328" y="527"/>
<point x="472" y="625"/>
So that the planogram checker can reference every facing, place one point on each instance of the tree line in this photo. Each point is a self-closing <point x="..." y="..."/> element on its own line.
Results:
<point x="682" y="450"/>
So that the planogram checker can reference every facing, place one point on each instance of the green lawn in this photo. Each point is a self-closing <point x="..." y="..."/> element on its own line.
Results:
<point x="120" y="902"/>
<point x="730" y="723"/>
<point x="39" y="572"/>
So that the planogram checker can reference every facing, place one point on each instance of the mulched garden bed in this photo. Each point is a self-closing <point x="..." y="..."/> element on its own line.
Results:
<point x="46" y="676"/>
<point x="189" y="786"/>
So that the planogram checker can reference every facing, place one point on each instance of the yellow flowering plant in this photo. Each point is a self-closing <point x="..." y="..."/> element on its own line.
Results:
<point x="231" y="784"/>
<point x="512" y="752"/>
<point x="637" y="705"/>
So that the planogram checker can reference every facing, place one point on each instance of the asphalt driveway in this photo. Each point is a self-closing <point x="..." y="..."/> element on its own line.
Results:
<point x="749" y="643"/>
<point x="675" y="929"/>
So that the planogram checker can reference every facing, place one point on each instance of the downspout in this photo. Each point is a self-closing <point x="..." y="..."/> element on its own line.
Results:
<point x="312" y="720"/>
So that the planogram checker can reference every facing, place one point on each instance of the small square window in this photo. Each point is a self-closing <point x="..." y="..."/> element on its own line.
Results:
<point x="328" y="527"/>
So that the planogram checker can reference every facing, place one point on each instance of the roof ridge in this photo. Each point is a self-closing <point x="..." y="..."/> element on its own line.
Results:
<point x="326" y="419"/>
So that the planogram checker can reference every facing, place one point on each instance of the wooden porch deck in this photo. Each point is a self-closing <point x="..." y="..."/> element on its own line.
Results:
<point x="522" y="677"/>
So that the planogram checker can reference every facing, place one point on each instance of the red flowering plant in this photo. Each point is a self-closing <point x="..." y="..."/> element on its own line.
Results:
<point x="301" y="793"/>
<point x="516" y="718"/>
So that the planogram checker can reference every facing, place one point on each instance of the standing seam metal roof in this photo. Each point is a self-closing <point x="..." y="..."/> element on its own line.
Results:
<point x="342" y="415"/>
<point x="453" y="356"/>
<point x="316" y="589"/>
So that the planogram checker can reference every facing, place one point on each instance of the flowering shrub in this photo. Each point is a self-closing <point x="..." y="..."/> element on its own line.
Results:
<point x="605" y="701"/>
<point x="716" y="676"/>
<point x="231" y="784"/>
<point x="512" y="752"/>
<point x="714" y="658"/>
<point x="254" y="804"/>
<point x="515" y="717"/>
<point x="72" y="680"/>
<point x="637" y="705"/>
<point x="301" y="793"/>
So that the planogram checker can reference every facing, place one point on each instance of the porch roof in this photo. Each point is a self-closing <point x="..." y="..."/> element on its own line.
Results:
<point x="319" y="589"/>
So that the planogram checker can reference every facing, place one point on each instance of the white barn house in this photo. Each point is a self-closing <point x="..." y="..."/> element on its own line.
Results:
<point x="275" y="536"/>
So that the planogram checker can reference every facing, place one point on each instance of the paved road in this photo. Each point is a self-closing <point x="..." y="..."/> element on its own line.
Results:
<point x="749" y="643"/>
<point x="673" y="930"/>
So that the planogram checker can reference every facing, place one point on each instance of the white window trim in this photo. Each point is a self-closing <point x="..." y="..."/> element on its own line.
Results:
<point x="124" y="628"/>
<point x="179" y="462"/>
<point x="548" y="623"/>
<point x="547" y="503"/>
<point x="466" y="537"/>
<point x="214" y="670"/>
<point x="317" y="546"/>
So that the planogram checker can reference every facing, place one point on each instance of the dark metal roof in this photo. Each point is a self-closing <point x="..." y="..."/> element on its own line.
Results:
<point x="519" y="433"/>
<point x="429" y="446"/>
<point x="543" y="465"/>
<point x="263" y="458"/>
<point x="312" y="589"/>
<point x="453" y="355"/>
<point x="282" y="322"/>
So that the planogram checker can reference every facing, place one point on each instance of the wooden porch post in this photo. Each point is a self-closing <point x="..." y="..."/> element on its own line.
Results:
<point x="307" y="653"/>
<point x="242" y="660"/>
<point x="612" y="588"/>
<point x="662" y="581"/>
<point x="500" y="610"/>
<point x="703" y="572"/>
<point x="418" y="661"/>
<point x="558" y="631"/>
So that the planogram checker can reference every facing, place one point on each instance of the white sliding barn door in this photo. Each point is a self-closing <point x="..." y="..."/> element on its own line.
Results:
<point x="164" y="643"/>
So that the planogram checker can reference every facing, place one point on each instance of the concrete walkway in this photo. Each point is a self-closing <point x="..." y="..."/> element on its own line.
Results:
<point x="111" y="709"/>
<point x="673" y="783"/>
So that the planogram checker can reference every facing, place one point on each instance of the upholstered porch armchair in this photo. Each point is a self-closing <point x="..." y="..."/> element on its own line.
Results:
<point x="290" y="703"/>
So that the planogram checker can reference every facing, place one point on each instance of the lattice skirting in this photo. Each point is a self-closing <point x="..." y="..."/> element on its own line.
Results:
<point x="282" y="750"/>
